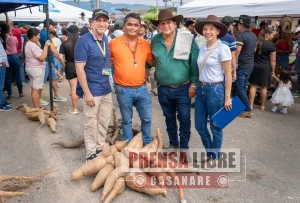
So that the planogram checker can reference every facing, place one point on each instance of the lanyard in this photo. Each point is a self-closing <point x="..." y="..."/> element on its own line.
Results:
<point x="103" y="50"/>
<point x="133" y="51"/>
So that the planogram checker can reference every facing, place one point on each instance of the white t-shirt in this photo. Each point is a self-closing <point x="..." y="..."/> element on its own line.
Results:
<point x="213" y="70"/>
<point x="200" y="40"/>
<point x="57" y="43"/>
<point x="82" y="22"/>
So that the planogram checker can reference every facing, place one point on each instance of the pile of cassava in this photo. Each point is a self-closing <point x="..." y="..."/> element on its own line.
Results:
<point x="42" y="115"/>
<point x="114" y="132"/>
<point x="11" y="186"/>
<point x="115" y="169"/>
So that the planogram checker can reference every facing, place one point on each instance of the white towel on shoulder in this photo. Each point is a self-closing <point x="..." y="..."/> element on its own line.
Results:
<point x="183" y="45"/>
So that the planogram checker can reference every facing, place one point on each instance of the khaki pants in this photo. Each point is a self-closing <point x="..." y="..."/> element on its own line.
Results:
<point x="96" y="123"/>
<point x="151" y="79"/>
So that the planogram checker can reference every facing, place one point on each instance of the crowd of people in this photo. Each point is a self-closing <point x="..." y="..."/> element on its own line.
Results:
<point x="206" y="60"/>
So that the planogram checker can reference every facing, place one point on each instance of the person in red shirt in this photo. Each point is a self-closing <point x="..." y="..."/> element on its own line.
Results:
<point x="262" y="26"/>
<point x="17" y="32"/>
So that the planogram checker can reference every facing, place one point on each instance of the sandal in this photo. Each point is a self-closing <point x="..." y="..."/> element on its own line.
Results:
<point x="262" y="108"/>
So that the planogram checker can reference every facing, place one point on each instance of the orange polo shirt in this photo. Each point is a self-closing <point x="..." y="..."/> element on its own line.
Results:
<point x="125" y="72"/>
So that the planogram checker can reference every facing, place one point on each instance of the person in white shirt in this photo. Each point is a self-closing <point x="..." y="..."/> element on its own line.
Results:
<point x="118" y="26"/>
<point x="4" y="106"/>
<point x="57" y="42"/>
<point x="82" y="21"/>
<point x="214" y="87"/>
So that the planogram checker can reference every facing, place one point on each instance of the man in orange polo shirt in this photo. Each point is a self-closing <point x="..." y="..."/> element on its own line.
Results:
<point x="130" y="53"/>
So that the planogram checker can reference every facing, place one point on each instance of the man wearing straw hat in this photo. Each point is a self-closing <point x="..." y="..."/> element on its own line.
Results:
<point x="177" y="78"/>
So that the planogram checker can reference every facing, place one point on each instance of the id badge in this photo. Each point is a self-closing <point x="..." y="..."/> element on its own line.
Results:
<point x="105" y="71"/>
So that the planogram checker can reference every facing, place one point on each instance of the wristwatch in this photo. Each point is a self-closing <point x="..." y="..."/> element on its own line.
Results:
<point x="193" y="86"/>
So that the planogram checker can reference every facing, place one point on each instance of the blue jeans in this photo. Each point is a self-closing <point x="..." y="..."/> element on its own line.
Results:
<point x="22" y="68"/>
<point x="141" y="99"/>
<point x="241" y="82"/>
<point x="111" y="75"/>
<point x="209" y="100"/>
<point x="53" y="72"/>
<point x="298" y="72"/>
<point x="282" y="60"/>
<point x="2" y="79"/>
<point x="14" y="65"/>
<point x="176" y="102"/>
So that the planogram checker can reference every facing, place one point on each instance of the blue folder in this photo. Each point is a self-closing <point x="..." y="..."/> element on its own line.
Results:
<point x="223" y="117"/>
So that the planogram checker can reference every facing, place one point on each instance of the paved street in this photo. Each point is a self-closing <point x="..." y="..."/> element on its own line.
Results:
<point x="270" y="142"/>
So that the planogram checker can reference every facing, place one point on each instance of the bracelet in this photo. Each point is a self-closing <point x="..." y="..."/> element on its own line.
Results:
<point x="193" y="86"/>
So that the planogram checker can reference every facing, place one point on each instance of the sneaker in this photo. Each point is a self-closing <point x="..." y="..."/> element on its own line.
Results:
<point x="21" y="95"/>
<point x="283" y="111"/>
<point x="7" y="103"/>
<point x="74" y="111"/>
<point x="91" y="157"/>
<point x="5" y="108"/>
<point x="23" y="83"/>
<point x="43" y="102"/>
<point x="296" y="94"/>
<point x="246" y="114"/>
<point x="274" y="109"/>
<point x="98" y="151"/>
<point x="59" y="99"/>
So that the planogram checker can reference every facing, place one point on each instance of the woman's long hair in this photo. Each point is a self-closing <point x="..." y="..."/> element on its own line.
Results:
<point x="4" y="31"/>
<point x="261" y="39"/>
<point x="70" y="45"/>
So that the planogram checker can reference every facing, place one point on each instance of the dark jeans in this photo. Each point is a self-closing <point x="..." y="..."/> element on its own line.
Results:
<point x="298" y="73"/>
<point x="22" y="68"/>
<point x="14" y="66"/>
<point x="2" y="79"/>
<point x="241" y="82"/>
<point x="176" y="102"/>
<point x="209" y="100"/>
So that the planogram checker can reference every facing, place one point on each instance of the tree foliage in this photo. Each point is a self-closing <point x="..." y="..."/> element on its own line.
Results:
<point x="152" y="9"/>
<point x="149" y="16"/>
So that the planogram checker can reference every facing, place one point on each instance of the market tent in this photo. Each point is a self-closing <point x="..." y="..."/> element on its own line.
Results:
<point x="58" y="12"/>
<point x="221" y="8"/>
<point x="11" y="5"/>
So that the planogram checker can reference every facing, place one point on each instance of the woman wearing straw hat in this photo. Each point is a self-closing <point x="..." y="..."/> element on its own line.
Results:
<point x="215" y="79"/>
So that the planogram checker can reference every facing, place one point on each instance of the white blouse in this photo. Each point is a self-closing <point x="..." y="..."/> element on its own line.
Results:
<point x="212" y="70"/>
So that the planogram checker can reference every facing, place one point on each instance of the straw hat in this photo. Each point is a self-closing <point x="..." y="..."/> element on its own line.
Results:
<point x="286" y="24"/>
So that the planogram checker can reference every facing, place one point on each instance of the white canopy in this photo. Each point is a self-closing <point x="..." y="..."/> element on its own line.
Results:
<point x="58" y="12"/>
<point x="234" y="8"/>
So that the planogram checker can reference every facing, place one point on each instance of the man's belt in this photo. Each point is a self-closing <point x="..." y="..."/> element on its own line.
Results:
<point x="175" y="86"/>
<point x="133" y="87"/>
